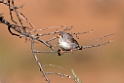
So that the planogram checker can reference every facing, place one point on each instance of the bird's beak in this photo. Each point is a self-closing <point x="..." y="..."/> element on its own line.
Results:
<point x="58" y="36"/>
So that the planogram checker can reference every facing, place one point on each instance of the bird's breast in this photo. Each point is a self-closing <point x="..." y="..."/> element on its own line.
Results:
<point x="65" y="45"/>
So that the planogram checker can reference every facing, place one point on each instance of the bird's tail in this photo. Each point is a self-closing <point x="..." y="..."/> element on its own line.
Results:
<point x="79" y="47"/>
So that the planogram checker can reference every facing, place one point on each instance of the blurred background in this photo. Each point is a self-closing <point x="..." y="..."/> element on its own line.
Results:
<point x="103" y="64"/>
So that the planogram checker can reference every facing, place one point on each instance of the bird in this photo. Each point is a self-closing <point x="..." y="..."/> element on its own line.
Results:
<point x="67" y="42"/>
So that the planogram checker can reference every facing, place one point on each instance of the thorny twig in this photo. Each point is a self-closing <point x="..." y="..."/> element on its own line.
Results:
<point x="31" y="33"/>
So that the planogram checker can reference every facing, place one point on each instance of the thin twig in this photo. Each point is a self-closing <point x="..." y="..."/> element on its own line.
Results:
<point x="52" y="65"/>
<point x="10" y="11"/>
<point x="102" y="38"/>
<point x="38" y="62"/>
<point x="63" y="75"/>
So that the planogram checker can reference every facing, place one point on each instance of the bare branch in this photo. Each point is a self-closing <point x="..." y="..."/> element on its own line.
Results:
<point x="39" y="64"/>
<point x="63" y="75"/>
<point x="77" y="33"/>
<point x="103" y="37"/>
<point x="52" y="65"/>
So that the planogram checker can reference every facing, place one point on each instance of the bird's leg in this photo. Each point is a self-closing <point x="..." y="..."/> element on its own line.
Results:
<point x="60" y="52"/>
<point x="72" y="51"/>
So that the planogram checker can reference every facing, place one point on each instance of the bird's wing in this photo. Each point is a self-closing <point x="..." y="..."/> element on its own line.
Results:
<point x="74" y="41"/>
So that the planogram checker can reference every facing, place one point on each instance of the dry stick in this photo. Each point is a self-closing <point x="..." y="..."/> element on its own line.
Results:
<point x="26" y="19"/>
<point x="11" y="12"/>
<point x="102" y="38"/>
<point x="9" y="27"/>
<point x="61" y="75"/>
<point x="77" y="33"/>
<point x="17" y="14"/>
<point x="73" y="33"/>
<point x="48" y="45"/>
<point x="52" y="65"/>
<point x="51" y="39"/>
<point x="11" y="7"/>
<point x="50" y="33"/>
<point x="19" y="18"/>
<point x="81" y="33"/>
<point x="41" y="29"/>
<point x="97" y="45"/>
<point x="55" y="32"/>
<point x="39" y="64"/>
<point x="36" y="51"/>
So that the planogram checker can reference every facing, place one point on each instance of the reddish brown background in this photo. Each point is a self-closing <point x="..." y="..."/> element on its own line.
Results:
<point x="104" y="64"/>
